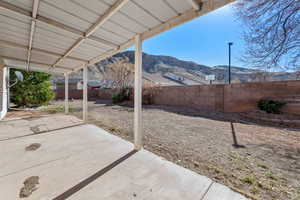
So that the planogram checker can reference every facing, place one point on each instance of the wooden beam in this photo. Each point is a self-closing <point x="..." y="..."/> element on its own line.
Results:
<point x="189" y="15"/>
<point x="180" y="19"/>
<point x="69" y="51"/>
<point x="37" y="50"/>
<point x="35" y="7"/>
<point x="48" y="21"/>
<point x="15" y="9"/>
<point x="196" y="4"/>
<point x="34" y="63"/>
<point x="138" y="86"/>
<point x="207" y="7"/>
<point x="110" y="53"/>
<point x="108" y="14"/>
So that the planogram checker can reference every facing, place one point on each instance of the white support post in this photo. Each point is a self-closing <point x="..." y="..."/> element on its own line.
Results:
<point x="8" y="88"/>
<point x="3" y="88"/>
<point x="85" y="94"/>
<point x="138" y="132"/>
<point x="66" y="93"/>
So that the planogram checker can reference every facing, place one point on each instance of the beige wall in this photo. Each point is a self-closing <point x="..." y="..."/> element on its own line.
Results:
<point x="237" y="97"/>
<point x="75" y="94"/>
<point x="243" y="97"/>
<point x="201" y="97"/>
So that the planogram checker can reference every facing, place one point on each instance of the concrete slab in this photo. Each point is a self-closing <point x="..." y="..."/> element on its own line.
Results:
<point x="63" y="160"/>
<point x="146" y="176"/>
<point x="86" y="162"/>
<point x="54" y="146"/>
<point x="21" y="127"/>
<point x="221" y="192"/>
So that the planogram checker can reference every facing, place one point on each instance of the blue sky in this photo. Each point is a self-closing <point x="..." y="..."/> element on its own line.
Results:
<point x="203" y="40"/>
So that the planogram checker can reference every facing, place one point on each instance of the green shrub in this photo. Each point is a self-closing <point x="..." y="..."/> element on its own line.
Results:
<point x="249" y="179"/>
<point x="270" y="106"/>
<point x="122" y="95"/>
<point x="116" y="98"/>
<point x="33" y="91"/>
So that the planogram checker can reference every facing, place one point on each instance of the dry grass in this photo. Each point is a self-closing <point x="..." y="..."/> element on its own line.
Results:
<point x="265" y="165"/>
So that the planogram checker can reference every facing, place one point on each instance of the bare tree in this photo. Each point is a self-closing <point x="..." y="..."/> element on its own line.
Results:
<point x="272" y="33"/>
<point x="119" y="73"/>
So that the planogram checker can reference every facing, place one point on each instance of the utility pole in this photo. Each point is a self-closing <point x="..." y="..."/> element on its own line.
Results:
<point x="229" y="66"/>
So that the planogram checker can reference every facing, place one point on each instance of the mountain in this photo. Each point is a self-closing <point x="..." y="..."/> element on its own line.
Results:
<point x="167" y="70"/>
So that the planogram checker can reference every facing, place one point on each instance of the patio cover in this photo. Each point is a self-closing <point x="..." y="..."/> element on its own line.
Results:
<point x="63" y="36"/>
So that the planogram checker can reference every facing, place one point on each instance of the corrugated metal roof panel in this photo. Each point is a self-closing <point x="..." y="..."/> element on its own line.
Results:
<point x="13" y="52"/>
<point x="26" y="4"/>
<point x="70" y="63"/>
<point x="34" y="66"/>
<point x="179" y="5"/>
<point x="159" y="9"/>
<point x="81" y="55"/>
<point x="89" y="30"/>
<point x="54" y="12"/>
<point x="42" y="58"/>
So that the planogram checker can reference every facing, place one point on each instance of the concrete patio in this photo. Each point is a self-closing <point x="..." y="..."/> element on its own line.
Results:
<point x="81" y="161"/>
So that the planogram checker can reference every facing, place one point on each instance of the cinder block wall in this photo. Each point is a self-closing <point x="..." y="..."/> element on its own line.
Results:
<point x="243" y="97"/>
<point x="75" y="94"/>
<point x="237" y="97"/>
<point x="208" y="97"/>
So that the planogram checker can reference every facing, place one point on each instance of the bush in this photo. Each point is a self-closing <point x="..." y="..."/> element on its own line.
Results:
<point x="270" y="106"/>
<point x="148" y="98"/>
<point x="123" y="95"/>
<point x="33" y="91"/>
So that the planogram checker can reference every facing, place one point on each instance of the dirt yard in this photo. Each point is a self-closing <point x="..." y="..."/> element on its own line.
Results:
<point x="264" y="163"/>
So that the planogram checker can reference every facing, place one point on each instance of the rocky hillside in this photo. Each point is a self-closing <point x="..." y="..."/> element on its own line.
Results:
<point x="168" y="70"/>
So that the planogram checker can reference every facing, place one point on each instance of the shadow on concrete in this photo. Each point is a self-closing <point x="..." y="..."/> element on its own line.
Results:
<point x="93" y="177"/>
<point x="37" y="132"/>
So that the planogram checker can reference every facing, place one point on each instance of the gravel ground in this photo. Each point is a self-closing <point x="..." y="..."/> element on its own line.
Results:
<point x="264" y="164"/>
